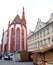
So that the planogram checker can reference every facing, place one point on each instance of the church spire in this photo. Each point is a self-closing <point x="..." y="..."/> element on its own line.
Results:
<point x="23" y="14"/>
<point x="9" y="23"/>
<point x="23" y="18"/>
<point x="3" y="32"/>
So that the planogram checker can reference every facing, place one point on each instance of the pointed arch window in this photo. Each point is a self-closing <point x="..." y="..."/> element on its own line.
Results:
<point x="12" y="39"/>
<point x="18" y="39"/>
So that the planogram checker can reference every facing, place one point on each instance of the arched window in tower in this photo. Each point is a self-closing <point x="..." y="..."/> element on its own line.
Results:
<point x="12" y="39"/>
<point x="17" y="39"/>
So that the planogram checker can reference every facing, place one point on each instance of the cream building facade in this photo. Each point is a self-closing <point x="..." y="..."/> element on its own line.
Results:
<point x="42" y="37"/>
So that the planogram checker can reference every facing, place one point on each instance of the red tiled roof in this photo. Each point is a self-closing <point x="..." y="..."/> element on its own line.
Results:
<point x="17" y="20"/>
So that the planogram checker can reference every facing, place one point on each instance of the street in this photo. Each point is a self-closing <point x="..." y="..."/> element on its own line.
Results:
<point x="4" y="62"/>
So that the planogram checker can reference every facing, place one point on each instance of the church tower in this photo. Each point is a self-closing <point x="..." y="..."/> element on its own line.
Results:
<point x="24" y="31"/>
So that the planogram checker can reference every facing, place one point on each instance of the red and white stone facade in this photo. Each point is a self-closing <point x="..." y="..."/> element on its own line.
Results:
<point x="15" y="38"/>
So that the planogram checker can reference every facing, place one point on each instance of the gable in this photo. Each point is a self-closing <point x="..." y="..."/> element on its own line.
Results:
<point x="17" y="20"/>
<point x="39" y="25"/>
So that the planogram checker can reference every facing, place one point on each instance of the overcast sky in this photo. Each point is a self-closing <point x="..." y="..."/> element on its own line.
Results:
<point x="34" y="9"/>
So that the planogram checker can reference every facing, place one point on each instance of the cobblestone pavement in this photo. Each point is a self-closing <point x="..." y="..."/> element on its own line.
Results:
<point x="4" y="62"/>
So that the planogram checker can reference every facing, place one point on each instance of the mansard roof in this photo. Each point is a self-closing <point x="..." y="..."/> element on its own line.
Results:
<point x="17" y="20"/>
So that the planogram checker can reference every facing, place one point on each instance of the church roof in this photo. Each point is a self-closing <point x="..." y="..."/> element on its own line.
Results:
<point x="17" y="20"/>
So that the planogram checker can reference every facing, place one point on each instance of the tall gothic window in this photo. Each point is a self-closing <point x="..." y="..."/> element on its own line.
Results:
<point x="23" y="39"/>
<point x="12" y="39"/>
<point x="17" y="39"/>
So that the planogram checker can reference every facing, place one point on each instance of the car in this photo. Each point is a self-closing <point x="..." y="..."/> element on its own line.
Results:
<point x="6" y="57"/>
<point x="0" y="56"/>
<point x="11" y="56"/>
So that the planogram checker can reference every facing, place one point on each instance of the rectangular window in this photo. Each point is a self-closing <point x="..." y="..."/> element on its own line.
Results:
<point x="35" y="45"/>
<point x="52" y="39"/>
<point x="44" y="41"/>
<point x="37" y="35"/>
<point x="52" y="28"/>
<point x="40" y="34"/>
<point x="41" y="43"/>
<point x="49" y="40"/>
<point x="38" y="44"/>
<point x="47" y="30"/>
<point x="33" y="37"/>
<point x="44" y="33"/>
